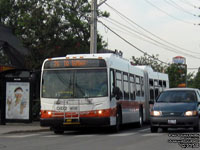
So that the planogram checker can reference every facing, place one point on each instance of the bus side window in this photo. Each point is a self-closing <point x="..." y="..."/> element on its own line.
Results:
<point x="132" y="87"/>
<point x="156" y="87"/>
<point x="164" y="84"/>
<point x="112" y="82"/>
<point x="119" y="83"/>
<point x="138" y="86"/>
<point x="126" y="89"/>
<point x="142" y="86"/>
<point x="151" y="86"/>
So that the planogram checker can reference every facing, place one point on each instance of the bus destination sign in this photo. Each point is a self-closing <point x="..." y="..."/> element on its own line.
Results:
<point x="74" y="63"/>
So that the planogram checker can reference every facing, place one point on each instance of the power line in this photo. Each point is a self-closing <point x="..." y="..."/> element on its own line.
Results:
<point x="157" y="43"/>
<point x="188" y="3"/>
<point x="131" y="43"/>
<point x="175" y="5"/>
<point x="187" y="22"/>
<point x="123" y="16"/>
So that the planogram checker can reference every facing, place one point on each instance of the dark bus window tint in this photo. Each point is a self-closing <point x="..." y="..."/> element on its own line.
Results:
<point x="156" y="92"/>
<point x="112" y="81"/>
<point x="119" y="85"/>
<point x="160" y="83"/>
<point x="126" y="89"/>
<point x="151" y="94"/>
<point x="132" y="88"/>
<point x="151" y="82"/>
<point x="164" y="84"/>
<point x="138" y="88"/>
<point x="142" y="86"/>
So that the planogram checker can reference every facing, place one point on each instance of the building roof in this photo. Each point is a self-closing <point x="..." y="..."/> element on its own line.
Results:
<point x="6" y="35"/>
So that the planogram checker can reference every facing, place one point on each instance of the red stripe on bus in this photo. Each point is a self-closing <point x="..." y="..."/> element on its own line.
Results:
<point x="94" y="113"/>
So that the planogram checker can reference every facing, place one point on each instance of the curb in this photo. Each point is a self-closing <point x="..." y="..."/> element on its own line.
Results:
<point x="27" y="131"/>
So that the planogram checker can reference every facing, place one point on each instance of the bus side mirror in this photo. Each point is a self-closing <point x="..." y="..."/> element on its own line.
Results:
<point x="151" y="102"/>
<point x="116" y="93"/>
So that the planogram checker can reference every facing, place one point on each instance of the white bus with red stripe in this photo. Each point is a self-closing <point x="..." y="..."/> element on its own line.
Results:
<point x="96" y="90"/>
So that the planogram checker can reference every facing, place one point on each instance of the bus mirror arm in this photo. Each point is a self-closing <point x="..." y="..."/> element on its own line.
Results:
<point x="151" y="102"/>
<point x="116" y="93"/>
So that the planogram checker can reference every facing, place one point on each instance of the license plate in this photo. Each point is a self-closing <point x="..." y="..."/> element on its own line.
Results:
<point x="61" y="108"/>
<point x="171" y="121"/>
<point x="68" y="120"/>
<point x="73" y="108"/>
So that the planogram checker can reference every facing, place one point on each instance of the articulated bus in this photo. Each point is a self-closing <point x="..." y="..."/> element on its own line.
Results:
<point x="96" y="90"/>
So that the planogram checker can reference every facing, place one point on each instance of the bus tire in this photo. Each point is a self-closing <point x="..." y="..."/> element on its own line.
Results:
<point x="141" y="117"/>
<point x="154" y="129"/>
<point x="117" y="127"/>
<point x="58" y="131"/>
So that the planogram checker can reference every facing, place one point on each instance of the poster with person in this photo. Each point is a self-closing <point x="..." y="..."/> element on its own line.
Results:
<point x="17" y="100"/>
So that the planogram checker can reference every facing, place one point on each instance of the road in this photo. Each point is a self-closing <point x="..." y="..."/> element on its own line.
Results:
<point x="127" y="139"/>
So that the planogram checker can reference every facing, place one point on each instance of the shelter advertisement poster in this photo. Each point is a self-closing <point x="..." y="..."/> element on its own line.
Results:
<point x="17" y="100"/>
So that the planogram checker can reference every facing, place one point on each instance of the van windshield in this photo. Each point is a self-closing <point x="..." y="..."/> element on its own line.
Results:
<point x="184" y="96"/>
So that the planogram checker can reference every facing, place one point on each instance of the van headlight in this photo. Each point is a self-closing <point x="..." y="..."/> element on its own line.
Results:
<point x="156" y="113"/>
<point x="191" y="113"/>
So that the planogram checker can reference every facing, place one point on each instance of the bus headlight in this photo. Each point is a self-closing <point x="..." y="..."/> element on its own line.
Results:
<point x="156" y="113"/>
<point x="100" y="112"/>
<point x="191" y="113"/>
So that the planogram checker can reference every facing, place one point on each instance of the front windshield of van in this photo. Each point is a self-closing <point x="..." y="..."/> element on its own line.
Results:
<point x="183" y="96"/>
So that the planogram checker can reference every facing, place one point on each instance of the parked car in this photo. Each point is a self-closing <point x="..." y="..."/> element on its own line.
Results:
<point x="176" y="108"/>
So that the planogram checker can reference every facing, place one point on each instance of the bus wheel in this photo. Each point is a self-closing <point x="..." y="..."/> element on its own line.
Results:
<point x="116" y="128"/>
<point x="140" y="123"/>
<point x="58" y="131"/>
<point x="141" y="119"/>
<point x="154" y="129"/>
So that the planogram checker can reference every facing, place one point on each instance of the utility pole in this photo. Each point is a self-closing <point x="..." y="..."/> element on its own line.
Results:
<point x="93" y="26"/>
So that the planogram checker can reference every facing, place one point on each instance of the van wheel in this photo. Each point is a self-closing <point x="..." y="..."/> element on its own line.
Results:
<point x="165" y="129"/>
<point x="196" y="128"/>
<point x="154" y="129"/>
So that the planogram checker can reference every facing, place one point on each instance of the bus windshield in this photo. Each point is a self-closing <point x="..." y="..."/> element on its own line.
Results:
<point x="81" y="83"/>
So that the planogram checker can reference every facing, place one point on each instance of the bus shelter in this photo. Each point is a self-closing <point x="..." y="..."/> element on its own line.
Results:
<point x="16" y="96"/>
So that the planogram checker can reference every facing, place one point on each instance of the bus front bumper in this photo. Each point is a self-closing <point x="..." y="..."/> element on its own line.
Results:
<point x="83" y="122"/>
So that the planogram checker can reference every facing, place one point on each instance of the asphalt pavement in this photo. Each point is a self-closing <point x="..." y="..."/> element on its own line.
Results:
<point x="22" y="127"/>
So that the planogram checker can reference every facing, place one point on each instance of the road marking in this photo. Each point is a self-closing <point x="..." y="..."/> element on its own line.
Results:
<point x="147" y="129"/>
<point x="20" y="136"/>
<point x="82" y="136"/>
<point x="51" y="136"/>
<point x="153" y="134"/>
<point x="122" y="134"/>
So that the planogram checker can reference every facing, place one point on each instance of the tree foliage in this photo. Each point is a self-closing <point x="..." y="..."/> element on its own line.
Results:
<point x="150" y="61"/>
<point x="177" y="73"/>
<point x="50" y="28"/>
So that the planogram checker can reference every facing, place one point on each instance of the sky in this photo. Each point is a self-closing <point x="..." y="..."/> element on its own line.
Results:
<point x="171" y="25"/>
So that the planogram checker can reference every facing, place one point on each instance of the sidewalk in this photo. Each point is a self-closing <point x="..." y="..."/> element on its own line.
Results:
<point x="22" y="127"/>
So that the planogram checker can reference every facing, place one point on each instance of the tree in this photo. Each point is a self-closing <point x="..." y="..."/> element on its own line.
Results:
<point x="150" y="61"/>
<point x="50" y="28"/>
<point x="195" y="82"/>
